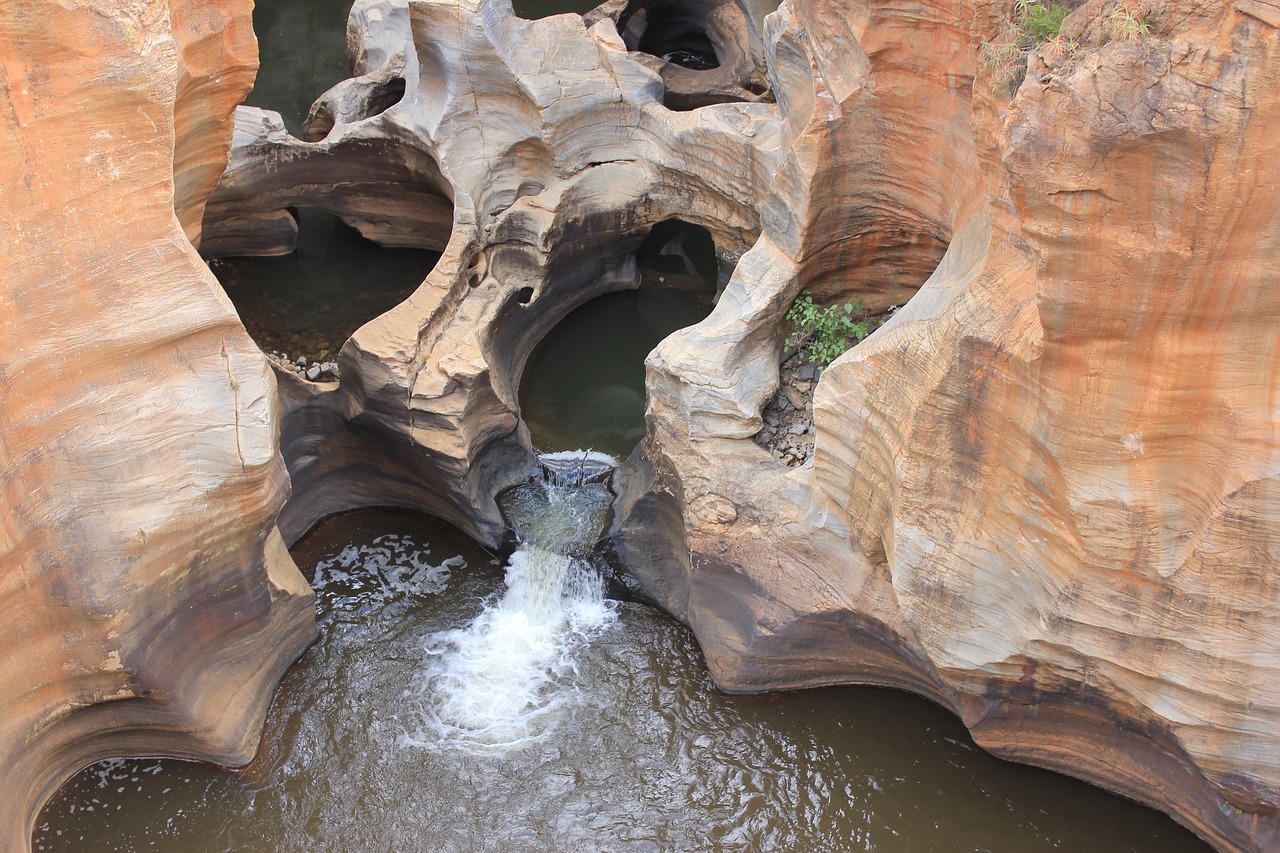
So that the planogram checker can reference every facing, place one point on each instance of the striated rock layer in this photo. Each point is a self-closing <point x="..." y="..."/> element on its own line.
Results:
<point x="1041" y="493"/>
<point x="147" y="601"/>
<point x="1064" y="447"/>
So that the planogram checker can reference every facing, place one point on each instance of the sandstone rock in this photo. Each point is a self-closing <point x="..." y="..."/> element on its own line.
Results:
<point x="1047" y="406"/>
<point x="1040" y="495"/>
<point x="148" y="602"/>
<point x="856" y="183"/>
<point x="1097" y="444"/>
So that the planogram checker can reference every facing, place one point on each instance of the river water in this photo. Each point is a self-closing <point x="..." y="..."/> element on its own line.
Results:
<point x="459" y="702"/>
<point x="441" y="711"/>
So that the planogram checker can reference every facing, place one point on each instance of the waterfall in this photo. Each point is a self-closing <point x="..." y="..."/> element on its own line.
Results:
<point x="502" y="680"/>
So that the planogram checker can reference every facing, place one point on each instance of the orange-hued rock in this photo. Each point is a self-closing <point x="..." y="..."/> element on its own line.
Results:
<point x="217" y="60"/>
<point x="1040" y="494"/>
<point x="1043" y="494"/>
<point x="1078" y="422"/>
<point x="147" y="603"/>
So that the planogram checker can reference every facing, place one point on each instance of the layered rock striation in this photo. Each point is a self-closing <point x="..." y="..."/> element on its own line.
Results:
<point x="147" y="601"/>
<point x="1040" y="494"/>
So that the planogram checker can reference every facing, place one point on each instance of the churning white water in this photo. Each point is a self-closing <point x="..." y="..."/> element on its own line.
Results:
<point x="504" y="679"/>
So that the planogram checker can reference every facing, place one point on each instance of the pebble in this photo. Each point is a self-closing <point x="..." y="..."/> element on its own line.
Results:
<point x="793" y="396"/>
<point x="305" y="368"/>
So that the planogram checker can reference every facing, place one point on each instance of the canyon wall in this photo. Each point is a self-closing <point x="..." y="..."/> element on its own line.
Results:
<point x="147" y="602"/>
<point x="1065" y="447"/>
<point x="1041" y="491"/>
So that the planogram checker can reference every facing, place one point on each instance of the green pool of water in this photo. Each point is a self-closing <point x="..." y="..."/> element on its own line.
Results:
<point x="308" y="303"/>
<point x="302" y="53"/>
<point x="583" y="386"/>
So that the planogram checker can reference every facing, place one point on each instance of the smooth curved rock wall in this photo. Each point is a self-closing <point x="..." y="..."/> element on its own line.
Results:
<point x="148" y="603"/>
<point x="1041" y="493"/>
<point x="555" y="148"/>
<point x="1080" y="521"/>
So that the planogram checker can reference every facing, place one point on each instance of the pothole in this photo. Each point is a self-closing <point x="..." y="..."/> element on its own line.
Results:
<point x="702" y="49"/>
<point x="583" y="384"/>
<point x="302" y="307"/>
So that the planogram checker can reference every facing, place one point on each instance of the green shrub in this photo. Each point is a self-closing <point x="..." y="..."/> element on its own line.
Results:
<point x="822" y="334"/>
<point x="1035" y="24"/>
<point x="1044" y="21"/>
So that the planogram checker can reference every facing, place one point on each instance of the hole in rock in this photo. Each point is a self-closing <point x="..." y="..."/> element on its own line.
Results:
<point x="354" y="757"/>
<point x="679" y="249"/>
<point x="583" y="383"/>
<point x="705" y="45"/>
<point x="524" y="295"/>
<point x="302" y="53"/>
<point x="532" y="10"/>
<point x="787" y="430"/>
<point x="309" y="302"/>
<point x="384" y="96"/>
<point x="377" y="98"/>
<point x="674" y="31"/>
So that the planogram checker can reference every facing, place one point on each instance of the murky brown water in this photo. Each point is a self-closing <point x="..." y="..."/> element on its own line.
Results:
<point x="309" y="302"/>
<point x="640" y="752"/>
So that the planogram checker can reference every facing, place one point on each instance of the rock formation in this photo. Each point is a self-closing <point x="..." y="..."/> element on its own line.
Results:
<point x="149" y="604"/>
<point x="1040" y="494"/>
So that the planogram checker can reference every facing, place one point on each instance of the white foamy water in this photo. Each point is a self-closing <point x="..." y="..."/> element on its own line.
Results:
<point x="386" y="569"/>
<point x="505" y="678"/>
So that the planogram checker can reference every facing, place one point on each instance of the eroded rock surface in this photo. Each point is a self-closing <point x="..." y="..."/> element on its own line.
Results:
<point x="1040" y="495"/>
<point x="148" y="603"/>
<point x="1081" y="511"/>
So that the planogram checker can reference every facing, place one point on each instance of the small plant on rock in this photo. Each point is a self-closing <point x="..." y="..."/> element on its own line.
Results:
<point x="1058" y="47"/>
<point x="1043" y="20"/>
<point x="1127" y="25"/>
<point x="823" y="334"/>
<point x="1035" y="23"/>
